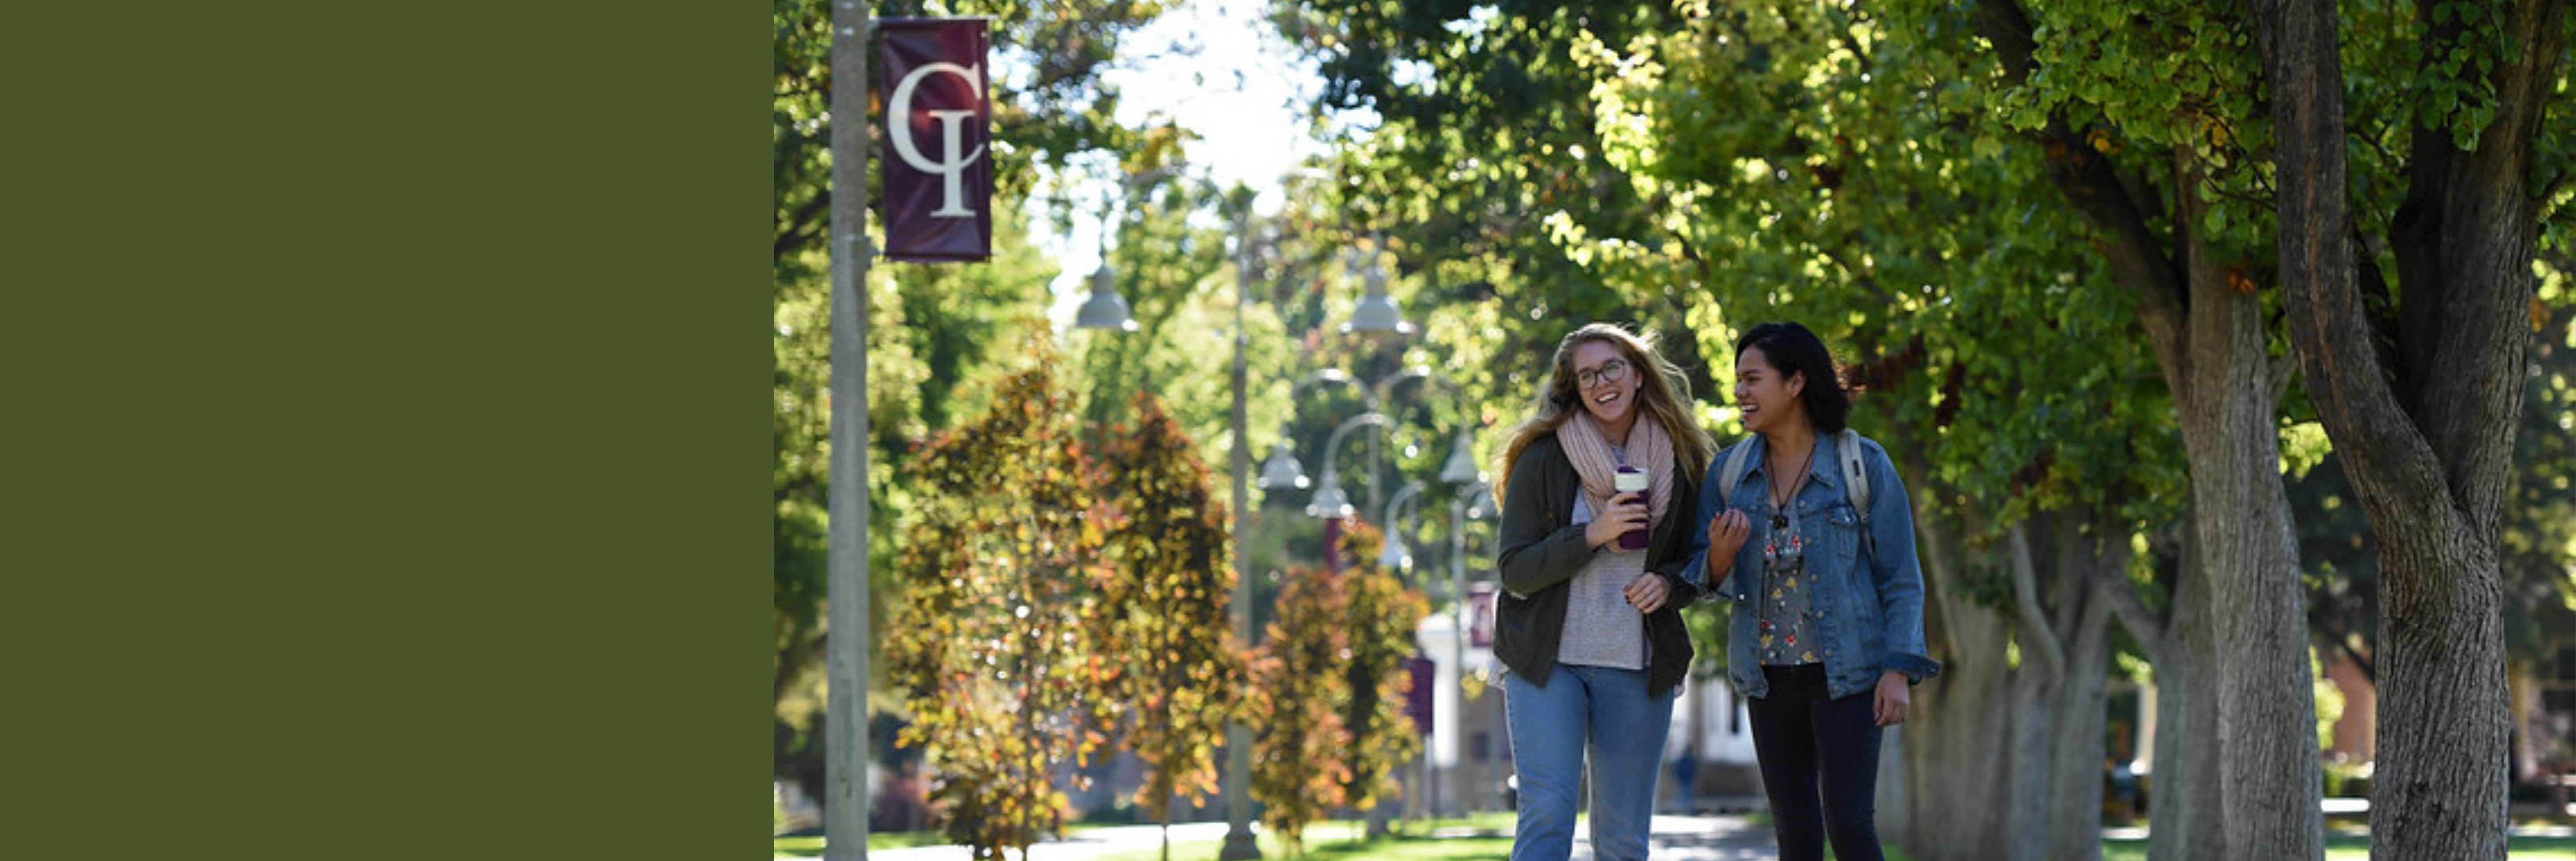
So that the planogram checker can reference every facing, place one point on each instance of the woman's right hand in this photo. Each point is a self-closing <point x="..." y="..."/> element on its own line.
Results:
<point x="1727" y="533"/>
<point x="1627" y="511"/>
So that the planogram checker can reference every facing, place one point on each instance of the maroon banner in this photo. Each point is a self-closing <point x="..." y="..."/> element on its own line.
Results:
<point x="938" y="167"/>
<point x="1417" y="701"/>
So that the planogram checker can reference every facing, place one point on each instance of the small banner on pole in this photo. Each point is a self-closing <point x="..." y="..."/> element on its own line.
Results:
<point x="938" y="122"/>
<point x="1480" y="614"/>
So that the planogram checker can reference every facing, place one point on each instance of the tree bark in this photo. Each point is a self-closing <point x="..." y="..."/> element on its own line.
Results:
<point x="2184" y="799"/>
<point x="2429" y="453"/>
<point x="2267" y="743"/>
<point x="2040" y="800"/>
<point x="2081" y="754"/>
<point x="1957" y="720"/>
<point x="2210" y="342"/>
<point x="2043" y="666"/>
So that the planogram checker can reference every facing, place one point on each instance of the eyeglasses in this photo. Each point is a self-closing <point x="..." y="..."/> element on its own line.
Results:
<point x="1610" y="372"/>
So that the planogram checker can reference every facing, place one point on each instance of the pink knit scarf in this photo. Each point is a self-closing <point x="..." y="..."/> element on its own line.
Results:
<point x="1648" y="448"/>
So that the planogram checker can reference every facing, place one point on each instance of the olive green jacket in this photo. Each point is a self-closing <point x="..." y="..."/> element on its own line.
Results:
<point x="1542" y="549"/>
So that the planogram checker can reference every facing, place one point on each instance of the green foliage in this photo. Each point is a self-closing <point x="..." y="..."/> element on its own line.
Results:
<point x="1469" y="137"/>
<point x="1002" y="569"/>
<point x="2539" y="541"/>
<point x="1169" y="271"/>
<point x="1828" y="175"/>
<point x="1167" y="641"/>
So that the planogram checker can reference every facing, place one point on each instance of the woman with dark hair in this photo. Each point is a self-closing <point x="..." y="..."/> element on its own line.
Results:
<point x="1805" y="526"/>
<point x="1593" y="558"/>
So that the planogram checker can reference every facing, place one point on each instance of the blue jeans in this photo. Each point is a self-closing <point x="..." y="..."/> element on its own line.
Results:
<point x="1819" y="758"/>
<point x="1608" y="714"/>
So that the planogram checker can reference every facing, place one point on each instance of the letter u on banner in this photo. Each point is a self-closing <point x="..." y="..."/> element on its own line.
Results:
<point x="938" y="165"/>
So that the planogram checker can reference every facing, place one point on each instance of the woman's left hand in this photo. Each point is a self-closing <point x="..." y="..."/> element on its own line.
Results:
<point x="1647" y="592"/>
<point x="1892" y="700"/>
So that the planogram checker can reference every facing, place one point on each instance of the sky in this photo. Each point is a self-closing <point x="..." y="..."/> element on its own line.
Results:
<point x="1217" y="68"/>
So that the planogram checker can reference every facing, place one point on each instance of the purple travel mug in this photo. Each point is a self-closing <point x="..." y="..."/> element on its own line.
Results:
<point x="1631" y="480"/>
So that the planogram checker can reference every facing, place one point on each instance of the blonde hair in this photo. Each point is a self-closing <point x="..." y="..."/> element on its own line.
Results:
<point x="1663" y="396"/>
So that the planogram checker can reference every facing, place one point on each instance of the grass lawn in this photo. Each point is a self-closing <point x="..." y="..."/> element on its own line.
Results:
<point x="812" y="847"/>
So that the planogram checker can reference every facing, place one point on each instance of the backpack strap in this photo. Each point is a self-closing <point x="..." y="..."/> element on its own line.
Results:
<point x="1855" y="477"/>
<point x="1856" y="488"/>
<point x="1733" y="472"/>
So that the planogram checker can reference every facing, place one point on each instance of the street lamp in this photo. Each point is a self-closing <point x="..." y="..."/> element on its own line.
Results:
<point x="1397" y="560"/>
<point x="1471" y="503"/>
<point x="1105" y="310"/>
<point x="1281" y="471"/>
<point x="1377" y="311"/>
<point x="1329" y="502"/>
<point x="1396" y="557"/>
<point x="1461" y="469"/>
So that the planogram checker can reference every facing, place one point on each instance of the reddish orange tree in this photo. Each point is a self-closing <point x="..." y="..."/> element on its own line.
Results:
<point x="1169" y="644"/>
<point x="988" y="641"/>
<point x="1299" y="765"/>
<point x="1381" y="616"/>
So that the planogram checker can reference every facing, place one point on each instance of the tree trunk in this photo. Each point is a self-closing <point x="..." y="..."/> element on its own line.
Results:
<point x="2266" y="739"/>
<point x="2429" y="455"/>
<point x="2083" y="700"/>
<point x="2026" y="832"/>
<point x="1958" y="719"/>
<point x="2209" y="341"/>
<point x="2184" y="796"/>
<point x="2060" y="692"/>
<point x="2035" y="684"/>
<point x="2039" y="800"/>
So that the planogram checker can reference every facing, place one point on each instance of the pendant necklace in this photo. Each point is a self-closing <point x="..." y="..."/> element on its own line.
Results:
<point x="1797" y="545"/>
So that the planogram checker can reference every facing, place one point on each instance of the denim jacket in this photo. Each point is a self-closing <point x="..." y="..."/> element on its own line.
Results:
<point x="1870" y="610"/>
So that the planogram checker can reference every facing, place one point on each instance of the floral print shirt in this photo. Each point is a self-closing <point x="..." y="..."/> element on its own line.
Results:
<point x="1787" y="633"/>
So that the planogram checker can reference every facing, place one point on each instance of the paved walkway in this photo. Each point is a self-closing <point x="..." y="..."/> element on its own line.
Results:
<point x="1675" y="838"/>
<point x="1700" y="838"/>
<point x="1727" y="837"/>
<point x="1091" y="843"/>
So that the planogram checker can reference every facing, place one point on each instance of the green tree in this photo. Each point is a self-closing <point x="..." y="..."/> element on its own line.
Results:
<point x="1468" y="139"/>
<point x="2429" y="454"/>
<point x="1786" y="160"/>
<point x="2539" y="542"/>
<point x="1167" y="638"/>
<point x="990" y="647"/>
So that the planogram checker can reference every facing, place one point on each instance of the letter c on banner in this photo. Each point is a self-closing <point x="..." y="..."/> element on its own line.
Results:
<point x="952" y="169"/>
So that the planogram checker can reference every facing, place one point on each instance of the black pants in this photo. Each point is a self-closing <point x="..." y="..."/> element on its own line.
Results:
<point x="1819" y="761"/>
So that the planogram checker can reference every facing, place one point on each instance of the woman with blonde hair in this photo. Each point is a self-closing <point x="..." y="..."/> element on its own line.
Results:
<point x="1596" y="494"/>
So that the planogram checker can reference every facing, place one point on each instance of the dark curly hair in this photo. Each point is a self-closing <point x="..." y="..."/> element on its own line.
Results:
<point x="1794" y="351"/>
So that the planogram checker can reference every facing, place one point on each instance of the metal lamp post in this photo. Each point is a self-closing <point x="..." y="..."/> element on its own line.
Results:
<point x="1329" y="502"/>
<point x="1459" y="472"/>
<point x="1282" y="471"/>
<point x="1472" y="502"/>
<point x="1396" y="558"/>
<point x="1377" y="311"/>
<point x="1105" y="309"/>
